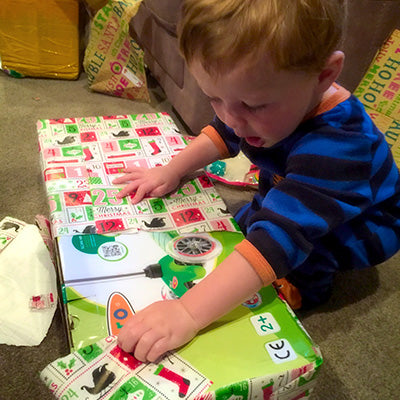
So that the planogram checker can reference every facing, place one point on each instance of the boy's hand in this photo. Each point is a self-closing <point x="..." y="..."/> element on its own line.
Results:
<point x="158" y="181"/>
<point x="168" y="324"/>
<point x="162" y="326"/>
<point x="154" y="182"/>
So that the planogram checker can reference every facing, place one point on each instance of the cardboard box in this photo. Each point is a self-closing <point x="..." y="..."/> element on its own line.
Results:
<point x="259" y="350"/>
<point x="40" y="38"/>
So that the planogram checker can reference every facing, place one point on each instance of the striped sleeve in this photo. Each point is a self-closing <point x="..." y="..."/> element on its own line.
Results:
<point x="211" y="132"/>
<point x="257" y="261"/>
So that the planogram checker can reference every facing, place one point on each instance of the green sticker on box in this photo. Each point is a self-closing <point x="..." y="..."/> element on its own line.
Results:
<point x="90" y="352"/>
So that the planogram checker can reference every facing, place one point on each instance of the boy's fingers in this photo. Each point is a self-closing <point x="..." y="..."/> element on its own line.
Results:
<point x="121" y="179"/>
<point x="145" y="344"/>
<point x="131" y="334"/>
<point x="127" y="344"/>
<point x="158" y="349"/>
<point x="129" y="174"/>
<point x="141" y="192"/>
<point x="159" y="191"/>
<point x="127" y="189"/>
<point x="125" y="178"/>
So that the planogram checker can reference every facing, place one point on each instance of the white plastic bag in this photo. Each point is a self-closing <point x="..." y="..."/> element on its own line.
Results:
<point x="26" y="274"/>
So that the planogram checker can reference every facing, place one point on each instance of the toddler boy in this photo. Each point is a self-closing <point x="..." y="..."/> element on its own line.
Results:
<point x="329" y="189"/>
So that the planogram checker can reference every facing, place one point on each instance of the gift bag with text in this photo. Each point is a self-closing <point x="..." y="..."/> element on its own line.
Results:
<point x="113" y="60"/>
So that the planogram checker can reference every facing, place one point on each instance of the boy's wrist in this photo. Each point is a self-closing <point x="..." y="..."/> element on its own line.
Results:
<point x="226" y="287"/>
<point x="199" y="153"/>
<point x="191" y="306"/>
<point x="196" y="323"/>
<point x="175" y="170"/>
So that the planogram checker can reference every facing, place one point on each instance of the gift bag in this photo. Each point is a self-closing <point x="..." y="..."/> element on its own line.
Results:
<point x="113" y="61"/>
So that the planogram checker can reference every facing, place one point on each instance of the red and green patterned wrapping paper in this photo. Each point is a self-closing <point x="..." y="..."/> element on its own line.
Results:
<point x="81" y="156"/>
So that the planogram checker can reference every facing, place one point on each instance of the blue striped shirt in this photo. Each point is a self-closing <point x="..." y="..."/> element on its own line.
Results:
<point x="340" y="191"/>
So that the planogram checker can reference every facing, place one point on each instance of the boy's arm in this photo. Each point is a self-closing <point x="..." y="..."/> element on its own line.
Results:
<point x="166" y="325"/>
<point x="200" y="152"/>
<point x="159" y="181"/>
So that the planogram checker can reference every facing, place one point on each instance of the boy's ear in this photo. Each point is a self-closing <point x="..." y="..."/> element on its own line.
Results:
<point x="332" y="69"/>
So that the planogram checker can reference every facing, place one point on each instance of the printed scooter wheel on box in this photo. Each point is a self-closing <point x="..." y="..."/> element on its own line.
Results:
<point x="194" y="248"/>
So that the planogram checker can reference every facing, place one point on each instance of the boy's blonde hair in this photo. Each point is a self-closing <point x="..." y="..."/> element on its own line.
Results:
<point x="297" y="34"/>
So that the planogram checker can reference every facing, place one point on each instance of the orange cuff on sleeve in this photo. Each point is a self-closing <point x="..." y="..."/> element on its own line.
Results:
<point x="257" y="261"/>
<point x="212" y="133"/>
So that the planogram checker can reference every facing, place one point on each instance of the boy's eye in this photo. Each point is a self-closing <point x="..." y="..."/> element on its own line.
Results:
<point x="255" y="108"/>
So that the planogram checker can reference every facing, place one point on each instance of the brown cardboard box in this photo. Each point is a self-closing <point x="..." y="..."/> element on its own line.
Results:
<point x="40" y="38"/>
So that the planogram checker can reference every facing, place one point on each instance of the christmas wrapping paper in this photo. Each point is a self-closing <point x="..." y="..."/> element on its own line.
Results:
<point x="81" y="156"/>
<point x="103" y="371"/>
